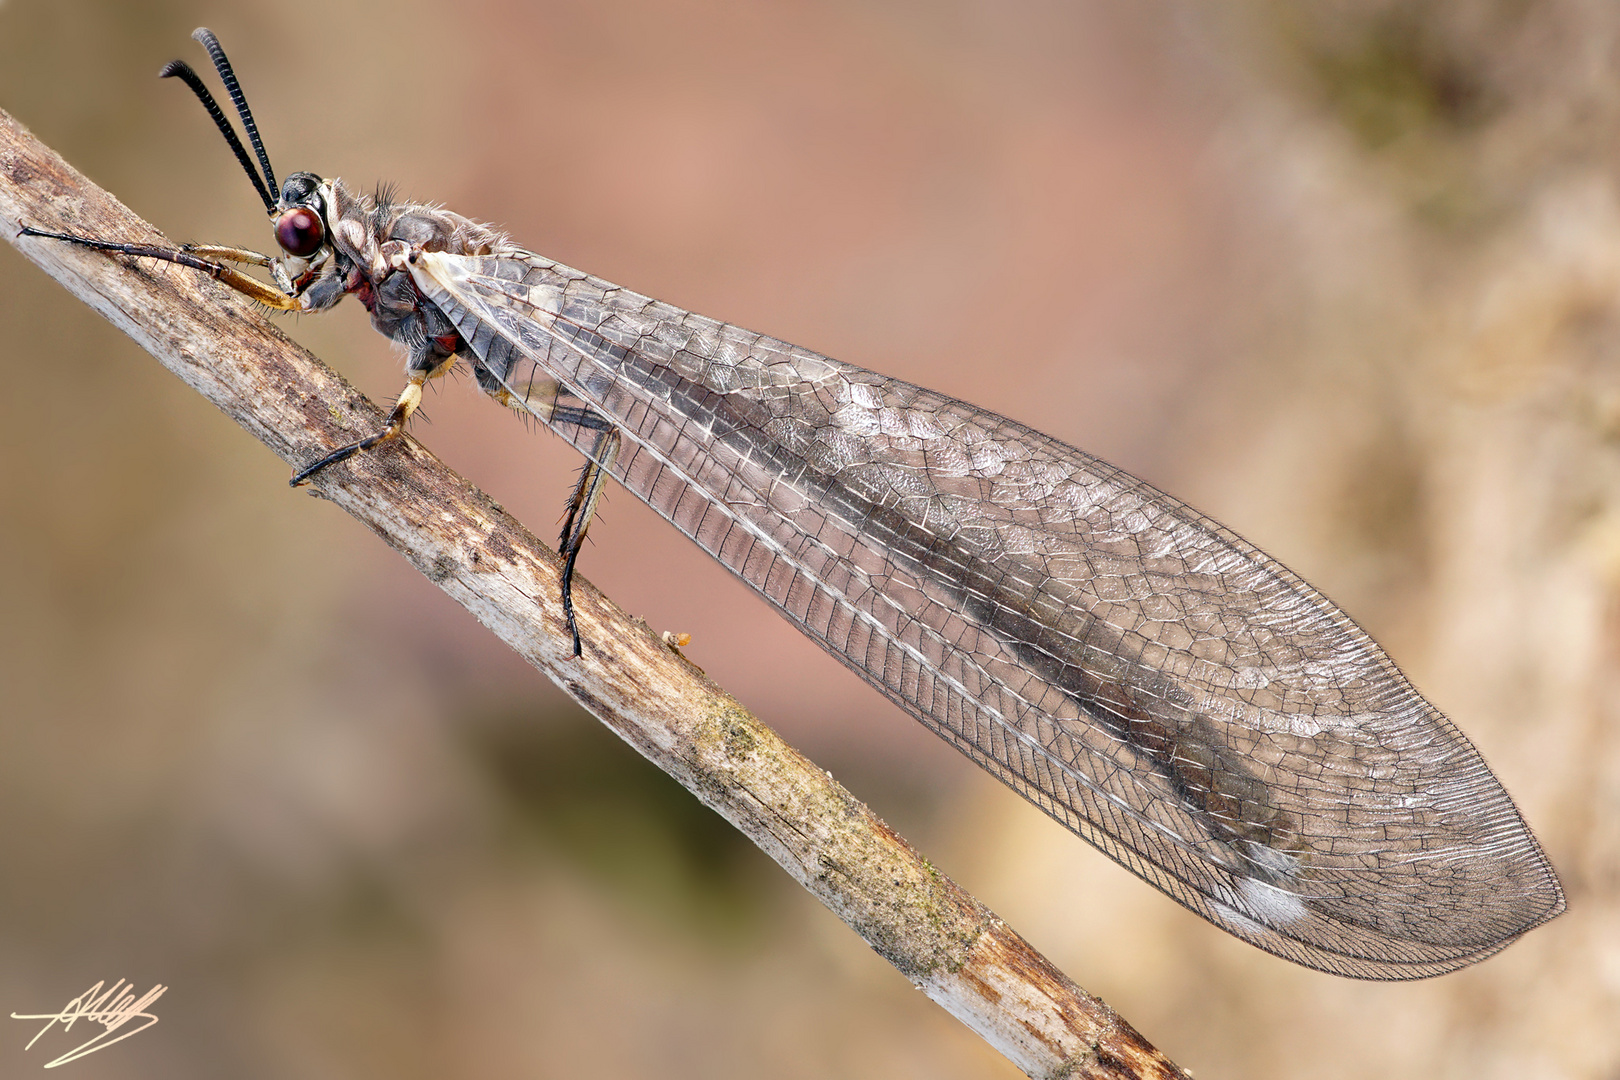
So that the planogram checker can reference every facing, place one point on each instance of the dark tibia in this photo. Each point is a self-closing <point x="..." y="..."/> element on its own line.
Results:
<point x="268" y="295"/>
<point x="342" y="453"/>
<point x="140" y="251"/>
<point x="409" y="399"/>
<point x="581" y="508"/>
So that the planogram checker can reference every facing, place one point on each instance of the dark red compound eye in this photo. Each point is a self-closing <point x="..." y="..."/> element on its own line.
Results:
<point x="299" y="232"/>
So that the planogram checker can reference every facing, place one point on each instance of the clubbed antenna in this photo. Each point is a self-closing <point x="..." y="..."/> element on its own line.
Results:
<point x="182" y="70"/>
<point x="227" y="75"/>
<point x="265" y="184"/>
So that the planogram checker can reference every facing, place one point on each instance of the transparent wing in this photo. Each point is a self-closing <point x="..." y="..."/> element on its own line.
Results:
<point x="1147" y="677"/>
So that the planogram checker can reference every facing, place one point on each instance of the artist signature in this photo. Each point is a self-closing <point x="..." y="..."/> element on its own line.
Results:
<point x="112" y="1008"/>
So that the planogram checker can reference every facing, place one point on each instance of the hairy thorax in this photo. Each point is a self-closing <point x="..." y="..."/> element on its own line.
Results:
<point x="371" y="237"/>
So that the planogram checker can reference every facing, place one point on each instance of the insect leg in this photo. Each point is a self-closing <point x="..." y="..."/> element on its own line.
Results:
<point x="397" y="311"/>
<point x="228" y="254"/>
<point x="268" y="295"/>
<point x="278" y="267"/>
<point x="545" y="398"/>
<point x="581" y="508"/>
<point x="409" y="399"/>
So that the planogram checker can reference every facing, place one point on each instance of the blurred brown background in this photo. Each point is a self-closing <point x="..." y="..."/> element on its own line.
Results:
<point x="1344" y="275"/>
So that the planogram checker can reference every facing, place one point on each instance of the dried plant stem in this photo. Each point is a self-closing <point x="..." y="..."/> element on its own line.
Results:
<point x="940" y="938"/>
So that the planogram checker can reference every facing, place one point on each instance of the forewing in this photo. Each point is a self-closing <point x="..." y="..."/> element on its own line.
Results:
<point x="1144" y="675"/>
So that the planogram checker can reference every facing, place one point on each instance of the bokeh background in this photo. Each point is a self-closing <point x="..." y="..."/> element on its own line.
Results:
<point x="1342" y="274"/>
